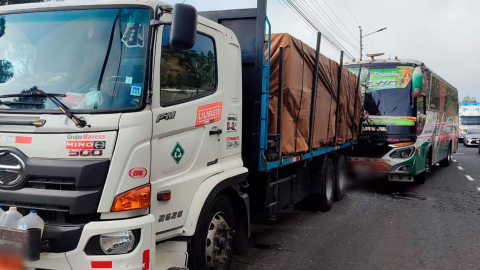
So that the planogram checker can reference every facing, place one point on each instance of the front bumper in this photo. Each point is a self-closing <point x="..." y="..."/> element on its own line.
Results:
<point x="470" y="142"/>
<point x="143" y="254"/>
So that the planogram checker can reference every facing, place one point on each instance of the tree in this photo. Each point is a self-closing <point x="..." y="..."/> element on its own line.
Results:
<point x="469" y="99"/>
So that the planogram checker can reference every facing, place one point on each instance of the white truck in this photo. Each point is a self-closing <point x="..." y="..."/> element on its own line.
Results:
<point x="139" y="132"/>
<point x="469" y="114"/>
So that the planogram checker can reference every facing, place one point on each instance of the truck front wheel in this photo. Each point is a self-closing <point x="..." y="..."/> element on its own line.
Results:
<point x="212" y="245"/>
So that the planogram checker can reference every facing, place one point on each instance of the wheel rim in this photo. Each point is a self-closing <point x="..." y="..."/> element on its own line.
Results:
<point x="218" y="244"/>
<point x="449" y="154"/>
<point x="342" y="178"/>
<point x="329" y="188"/>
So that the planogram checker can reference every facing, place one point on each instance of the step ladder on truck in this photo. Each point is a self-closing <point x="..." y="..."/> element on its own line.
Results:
<point x="190" y="124"/>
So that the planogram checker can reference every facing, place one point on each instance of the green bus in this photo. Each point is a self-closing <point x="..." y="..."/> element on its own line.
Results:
<point x="409" y="120"/>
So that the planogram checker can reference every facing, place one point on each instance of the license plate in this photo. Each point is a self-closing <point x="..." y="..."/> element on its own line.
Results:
<point x="11" y="262"/>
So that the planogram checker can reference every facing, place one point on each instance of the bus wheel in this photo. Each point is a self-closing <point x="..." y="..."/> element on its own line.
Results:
<point x="446" y="161"/>
<point x="212" y="246"/>
<point x="420" y="178"/>
<point x="341" y="177"/>
<point x="323" y="201"/>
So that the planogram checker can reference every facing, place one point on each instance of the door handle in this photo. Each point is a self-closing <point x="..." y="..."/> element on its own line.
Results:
<point x="215" y="132"/>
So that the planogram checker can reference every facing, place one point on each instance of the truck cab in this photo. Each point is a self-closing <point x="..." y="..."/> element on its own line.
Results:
<point x="112" y="125"/>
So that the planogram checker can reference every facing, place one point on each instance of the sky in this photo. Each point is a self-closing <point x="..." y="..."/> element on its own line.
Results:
<point x="441" y="33"/>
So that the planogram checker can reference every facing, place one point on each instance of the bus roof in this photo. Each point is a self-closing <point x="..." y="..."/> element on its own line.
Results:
<point x="379" y="61"/>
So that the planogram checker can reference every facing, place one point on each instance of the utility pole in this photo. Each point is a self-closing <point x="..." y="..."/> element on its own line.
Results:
<point x="362" y="36"/>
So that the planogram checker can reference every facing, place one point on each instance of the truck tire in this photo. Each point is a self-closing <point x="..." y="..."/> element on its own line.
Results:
<point x="446" y="161"/>
<point x="323" y="201"/>
<point x="340" y="177"/>
<point x="212" y="245"/>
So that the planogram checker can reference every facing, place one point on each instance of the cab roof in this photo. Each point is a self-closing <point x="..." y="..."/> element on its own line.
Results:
<point x="75" y="4"/>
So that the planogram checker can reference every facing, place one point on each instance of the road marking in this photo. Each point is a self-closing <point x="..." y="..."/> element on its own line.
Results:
<point x="478" y="188"/>
<point x="469" y="177"/>
<point x="454" y="160"/>
<point x="460" y="168"/>
<point x="459" y="153"/>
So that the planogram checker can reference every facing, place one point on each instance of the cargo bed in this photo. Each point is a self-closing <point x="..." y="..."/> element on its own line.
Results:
<point x="263" y="138"/>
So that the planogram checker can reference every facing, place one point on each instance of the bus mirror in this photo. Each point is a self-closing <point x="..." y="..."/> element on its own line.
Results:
<point x="417" y="82"/>
<point x="184" y="27"/>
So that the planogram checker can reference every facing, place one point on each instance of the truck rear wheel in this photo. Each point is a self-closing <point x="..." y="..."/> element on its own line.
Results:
<point x="323" y="201"/>
<point x="212" y="245"/>
<point x="341" y="177"/>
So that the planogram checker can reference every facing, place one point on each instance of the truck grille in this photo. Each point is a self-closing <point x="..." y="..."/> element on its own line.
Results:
<point x="8" y="160"/>
<point x="7" y="177"/>
<point x="52" y="183"/>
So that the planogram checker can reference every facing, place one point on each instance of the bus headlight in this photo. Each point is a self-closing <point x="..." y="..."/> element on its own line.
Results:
<point x="403" y="153"/>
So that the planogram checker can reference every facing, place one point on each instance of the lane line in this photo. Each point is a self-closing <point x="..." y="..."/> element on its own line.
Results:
<point x="478" y="188"/>
<point x="469" y="177"/>
<point x="454" y="160"/>
<point x="460" y="168"/>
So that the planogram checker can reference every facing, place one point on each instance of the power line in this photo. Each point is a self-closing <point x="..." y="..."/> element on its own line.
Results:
<point x="341" y="21"/>
<point x="333" y="26"/>
<point x="314" y="22"/>
<point x="308" y="27"/>
<point x="350" y="12"/>
<point x="353" y="16"/>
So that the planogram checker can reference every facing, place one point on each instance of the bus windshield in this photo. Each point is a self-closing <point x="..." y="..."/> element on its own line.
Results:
<point x="386" y="91"/>
<point x="470" y="120"/>
<point x="96" y="58"/>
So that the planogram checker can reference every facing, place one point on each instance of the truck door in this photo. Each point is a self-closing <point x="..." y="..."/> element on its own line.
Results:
<point x="187" y="108"/>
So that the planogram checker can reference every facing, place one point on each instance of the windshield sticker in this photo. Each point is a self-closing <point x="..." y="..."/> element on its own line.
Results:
<point x="385" y="78"/>
<point x="134" y="33"/>
<point x="209" y="113"/>
<point x="128" y="80"/>
<point x="136" y="90"/>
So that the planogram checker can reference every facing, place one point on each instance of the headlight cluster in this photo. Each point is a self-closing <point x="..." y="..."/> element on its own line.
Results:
<point x="121" y="242"/>
<point x="117" y="243"/>
<point x="403" y="153"/>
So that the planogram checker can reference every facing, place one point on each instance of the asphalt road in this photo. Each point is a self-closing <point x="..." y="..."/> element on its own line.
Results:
<point x="381" y="225"/>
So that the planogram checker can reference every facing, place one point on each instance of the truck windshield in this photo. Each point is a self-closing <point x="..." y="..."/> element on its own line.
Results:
<point x="96" y="58"/>
<point x="386" y="91"/>
<point x="470" y="120"/>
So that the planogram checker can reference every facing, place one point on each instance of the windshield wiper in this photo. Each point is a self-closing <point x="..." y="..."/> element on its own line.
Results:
<point x="393" y="110"/>
<point x="10" y="103"/>
<point x="53" y="97"/>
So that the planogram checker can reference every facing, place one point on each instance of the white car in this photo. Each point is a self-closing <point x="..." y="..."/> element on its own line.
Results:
<point x="471" y="137"/>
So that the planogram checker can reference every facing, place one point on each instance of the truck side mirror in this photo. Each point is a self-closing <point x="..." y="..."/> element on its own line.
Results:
<point x="417" y="82"/>
<point x="184" y="27"/>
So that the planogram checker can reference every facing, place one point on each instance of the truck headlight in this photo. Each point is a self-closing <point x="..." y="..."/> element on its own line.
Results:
<point x="117" y="243"/>
<point x="403" y="153"/>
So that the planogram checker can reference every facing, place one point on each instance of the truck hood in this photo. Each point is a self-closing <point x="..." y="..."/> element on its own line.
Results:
<point x="59" y="138"/>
